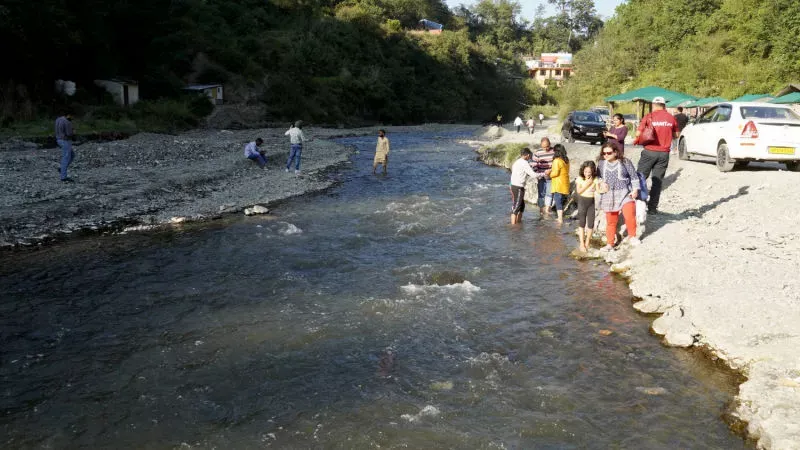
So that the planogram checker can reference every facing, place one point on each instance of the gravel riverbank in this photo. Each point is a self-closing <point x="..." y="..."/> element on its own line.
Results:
<point x="719" y="266"/>
<point x="153" y="179"/>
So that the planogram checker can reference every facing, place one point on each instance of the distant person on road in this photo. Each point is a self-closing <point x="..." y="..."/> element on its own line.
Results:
<point x="542" y="161"/>
<point x="541" y="118"/>
<point x="381" y="152"/>
<point x="559" y="173"/>
<point x="682" y="120"/>
<point x="617" y="133"/>
<point x="253" y="152"/>
<point x="531" y="124"/>
<point x="618" y="187"/>
<point x="655" y="156"/>
<point x="296" y="139"/>
<point x="520" y="171"/>
<point x="586" y="187"/>
<point x="64" y="138"/>
<point x="518" y="123"/>
<point x="499" y="119"/>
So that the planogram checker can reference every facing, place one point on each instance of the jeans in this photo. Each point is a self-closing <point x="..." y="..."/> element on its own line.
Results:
<point x="67" y="155"/>
<point x="544" y="198"/>
<point x="654" y="163"/>
<point x="297" y="149"/>
<point x="259" y="159"/>
<point x="559" y="198"/>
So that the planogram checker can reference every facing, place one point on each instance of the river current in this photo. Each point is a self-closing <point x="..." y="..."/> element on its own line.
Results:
<point x="397" y="311"/>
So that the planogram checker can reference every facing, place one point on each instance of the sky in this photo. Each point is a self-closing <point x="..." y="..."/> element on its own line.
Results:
<point x="605" y="8"/>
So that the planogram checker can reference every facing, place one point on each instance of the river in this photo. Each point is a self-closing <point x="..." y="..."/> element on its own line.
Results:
<point x="391" y="311"/>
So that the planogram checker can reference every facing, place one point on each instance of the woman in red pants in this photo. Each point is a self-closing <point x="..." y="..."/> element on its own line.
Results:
<point x="619" y="187"/>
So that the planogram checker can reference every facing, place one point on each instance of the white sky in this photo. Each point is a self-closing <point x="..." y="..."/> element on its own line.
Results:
<point x="605" y="8"/>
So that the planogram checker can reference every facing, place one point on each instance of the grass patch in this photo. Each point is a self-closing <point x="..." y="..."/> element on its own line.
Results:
<point x="503" y="154"/>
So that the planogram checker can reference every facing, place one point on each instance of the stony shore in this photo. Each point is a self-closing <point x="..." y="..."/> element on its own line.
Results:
<point x="719" y="268"/>
<point x="154" y="179"/>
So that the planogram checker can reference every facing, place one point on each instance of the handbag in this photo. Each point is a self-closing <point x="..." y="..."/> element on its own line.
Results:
<point x="648" y="134"/>
<point x="644" y="194"/>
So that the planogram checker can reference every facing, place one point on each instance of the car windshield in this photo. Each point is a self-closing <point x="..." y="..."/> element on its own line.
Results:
<point x="586" y="117"/>
<point x="768" y="112"/>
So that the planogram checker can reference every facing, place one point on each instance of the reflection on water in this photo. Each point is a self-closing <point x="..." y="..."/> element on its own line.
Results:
<point x="397" y="311"/>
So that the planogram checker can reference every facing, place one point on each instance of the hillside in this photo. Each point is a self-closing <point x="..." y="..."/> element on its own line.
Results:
<point x="704" y="47"/>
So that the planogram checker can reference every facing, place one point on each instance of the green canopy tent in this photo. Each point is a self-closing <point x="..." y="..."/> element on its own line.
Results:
<point x="794" y="97"/>
<point x="644" y="96"/>
<point x="753" y="98"/>
<point x="705" y="102"/>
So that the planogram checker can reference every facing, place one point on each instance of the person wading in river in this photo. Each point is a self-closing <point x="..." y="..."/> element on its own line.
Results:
<point x="381" y="152"/>
<point x="520" y="171"/>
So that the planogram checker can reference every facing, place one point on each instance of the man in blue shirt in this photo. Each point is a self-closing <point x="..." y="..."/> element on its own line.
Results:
<point x="64" y="137"/>
<point x="253" y="151"/>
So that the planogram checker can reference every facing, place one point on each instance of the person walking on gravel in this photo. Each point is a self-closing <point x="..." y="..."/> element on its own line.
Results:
<point x="541" y="118"/>
<point x="530" y="124"/>
<point x="381" y="152"/>
<point x="655" y="156"/>
<point x="518" y="123"/>
<point x="296" y="139"/>
<point x="64" y="137"/>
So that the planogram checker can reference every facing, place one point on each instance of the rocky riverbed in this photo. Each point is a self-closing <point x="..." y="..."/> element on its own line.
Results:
<point x="719" y="267"/>
<point x="154" y="179"/>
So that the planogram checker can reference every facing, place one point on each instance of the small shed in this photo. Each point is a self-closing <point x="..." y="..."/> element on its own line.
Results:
<point x="788" y="90"/>
<point x="787" y="99"/>
<point x="430" y="26"/>
<point x="213" y="91"/>
<point x="125" y="92"/>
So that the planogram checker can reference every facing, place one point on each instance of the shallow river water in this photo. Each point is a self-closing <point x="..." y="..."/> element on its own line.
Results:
<point x="397" y="311"/>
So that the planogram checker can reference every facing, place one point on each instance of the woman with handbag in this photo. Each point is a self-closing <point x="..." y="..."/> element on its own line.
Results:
<point x="618" y="188"/>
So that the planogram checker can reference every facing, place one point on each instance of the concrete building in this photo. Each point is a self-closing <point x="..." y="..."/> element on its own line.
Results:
<point x="549" y="66"/>
<point x="125" y="92"/>
<point x="213" y="91"/>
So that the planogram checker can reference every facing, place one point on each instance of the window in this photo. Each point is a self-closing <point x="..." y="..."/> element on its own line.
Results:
<point x="707" y="116"/>
<point x="723" y="113"/>
<point x="542" y="72"/>
<point x="768" y="112"/>
<point x="558" y="73"/>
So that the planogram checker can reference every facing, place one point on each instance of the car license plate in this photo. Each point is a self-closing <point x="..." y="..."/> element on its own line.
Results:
<point x="781" y="150"/>
<point x="595" y="134"/>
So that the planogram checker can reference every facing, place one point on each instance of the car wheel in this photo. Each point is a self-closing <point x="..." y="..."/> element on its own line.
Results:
<point x="793" y="166"/>
<point x="683" y="154"/>
<point x="724" y="161"/>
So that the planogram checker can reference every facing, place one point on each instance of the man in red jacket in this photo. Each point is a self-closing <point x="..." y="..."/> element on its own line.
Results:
<point x="655" y="156"/>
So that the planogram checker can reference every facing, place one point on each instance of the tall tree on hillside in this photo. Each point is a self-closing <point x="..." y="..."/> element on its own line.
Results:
<point x="579" y="17"/>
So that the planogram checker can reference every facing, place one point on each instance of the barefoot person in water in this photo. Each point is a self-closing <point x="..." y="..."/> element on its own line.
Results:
<point x="586" y="186"/>
<point x="520" y="171"/>
<point x="381" y="152"/>
<point x="559" y="174"/>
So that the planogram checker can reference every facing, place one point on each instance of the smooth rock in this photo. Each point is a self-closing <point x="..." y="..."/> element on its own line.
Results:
<point x="652" y="305"/>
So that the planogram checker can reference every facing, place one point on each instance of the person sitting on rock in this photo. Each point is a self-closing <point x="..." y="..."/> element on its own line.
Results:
<point x="253" y="151"/>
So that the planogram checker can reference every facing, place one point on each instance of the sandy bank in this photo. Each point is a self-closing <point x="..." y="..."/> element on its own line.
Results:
<point x="720" y="266"/>
<point x="153" y="179"/>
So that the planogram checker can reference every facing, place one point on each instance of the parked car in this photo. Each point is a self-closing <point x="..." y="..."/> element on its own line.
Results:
<point x="736" y="133"/>
<point x="583" y="126"/>
<point x="604" y="113"/>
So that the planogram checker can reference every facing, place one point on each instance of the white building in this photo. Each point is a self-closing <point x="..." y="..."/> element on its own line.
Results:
<point x="212" y="91"/>
<point x="125" y="92"/>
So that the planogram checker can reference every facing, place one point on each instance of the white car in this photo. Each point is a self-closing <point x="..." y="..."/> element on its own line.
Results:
<point x="736" y="133"/>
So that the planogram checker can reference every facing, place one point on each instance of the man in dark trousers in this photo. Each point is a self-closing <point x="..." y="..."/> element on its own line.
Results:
<point x="64" y="137"/>
<point x="655" y="156"/>
<point x="682" y="120"/>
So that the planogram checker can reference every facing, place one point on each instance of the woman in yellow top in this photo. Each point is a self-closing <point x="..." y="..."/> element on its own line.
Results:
<point x="559" y="173"/>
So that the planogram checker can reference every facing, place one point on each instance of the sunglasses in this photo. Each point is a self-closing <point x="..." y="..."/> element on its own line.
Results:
<point x="609" y="153"/>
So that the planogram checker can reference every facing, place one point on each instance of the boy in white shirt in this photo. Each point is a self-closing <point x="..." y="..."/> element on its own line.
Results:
<point x="520" y="171"/>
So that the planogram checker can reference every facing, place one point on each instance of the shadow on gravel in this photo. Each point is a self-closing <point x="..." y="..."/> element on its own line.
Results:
<point x="671" y="178"/>
<point x="655" y="222"/>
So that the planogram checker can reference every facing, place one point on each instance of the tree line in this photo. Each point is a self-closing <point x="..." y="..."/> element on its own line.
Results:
<point x="705" y="48"/>
<point x="327" y="61"/>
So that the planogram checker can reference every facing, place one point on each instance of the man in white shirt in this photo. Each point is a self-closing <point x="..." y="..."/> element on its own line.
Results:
<point x="541" y="118"/>
<point x="520" y="171"/>
<point x="518" y="123"/>
<point x="296" y="139"/>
